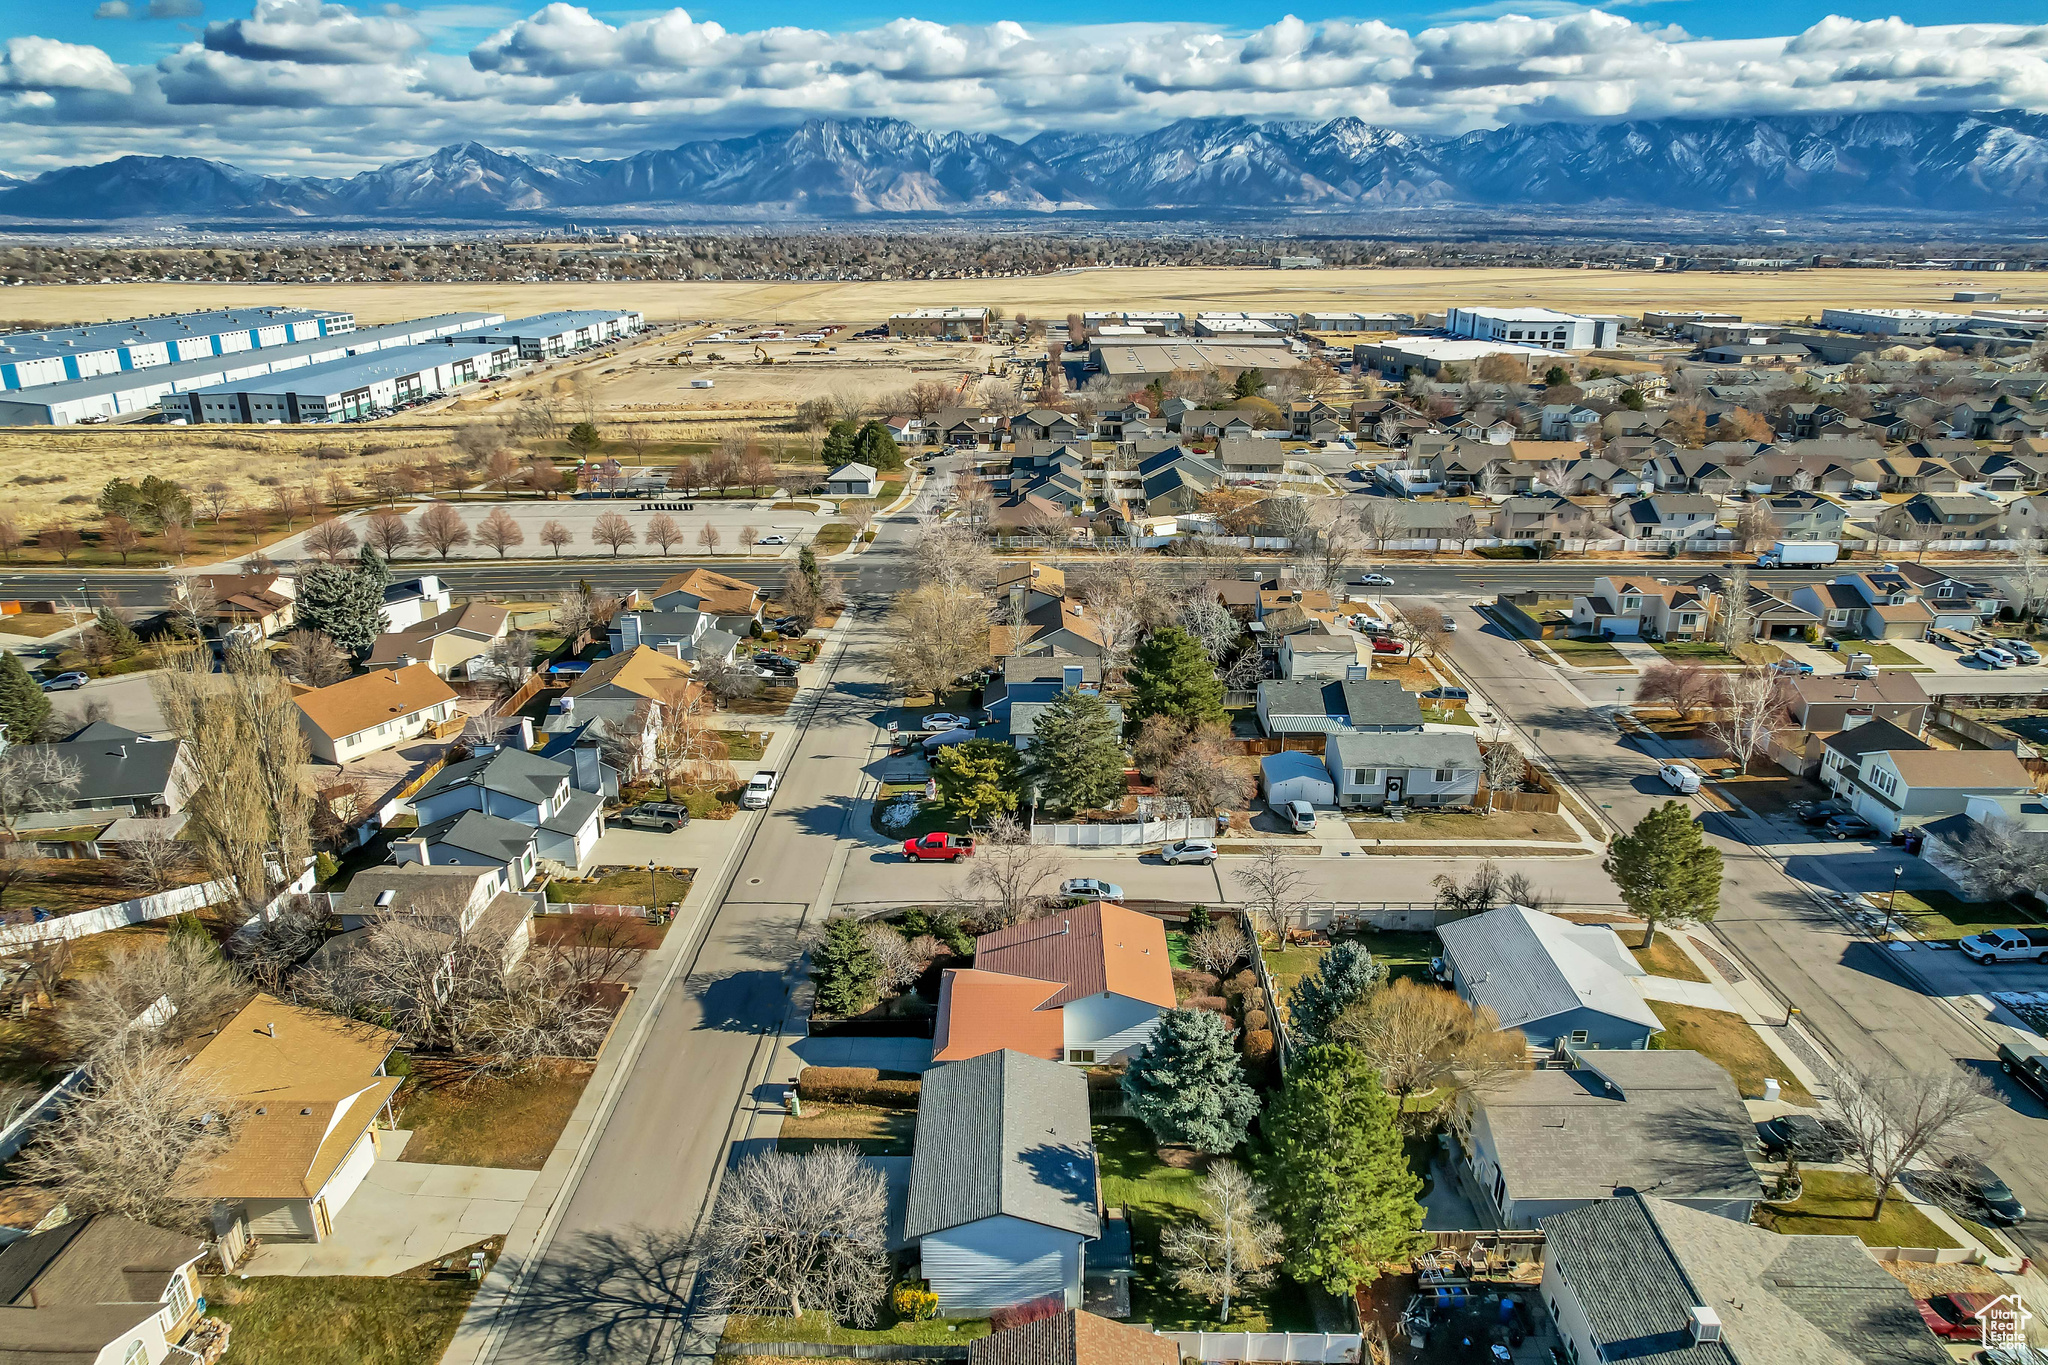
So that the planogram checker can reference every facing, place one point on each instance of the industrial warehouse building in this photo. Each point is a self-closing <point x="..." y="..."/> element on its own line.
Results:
<point x="1545" y="327"/>
<point x="110" y="395"/>
<point x="546" y="335"/>
<point x="338" y="390"/>
<point x="29" y="359"/>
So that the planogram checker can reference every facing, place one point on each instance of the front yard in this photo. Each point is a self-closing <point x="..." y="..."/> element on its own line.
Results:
<point x="1405" y="954"/>
<point x="511" y="1123"/>
<point x="1156" y="1195"/>
<point x="887" y="1331"/>
<point x="337" y="1320"/>
<point x="1839" y="1203"/>
<point x="1943" y="915"/>
<point x="625" y="886"/>
<point x="1729" y="1041"/>
<point x="1581" y="653"/>
<point x="925" y="818"/>
<point x="1436" y="826"/>
<point x="877" y="1132"/>
<point x="1663" y="957"/>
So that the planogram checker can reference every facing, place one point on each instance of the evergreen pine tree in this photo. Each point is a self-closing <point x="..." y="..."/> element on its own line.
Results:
<point x="845" y="968"/>
<point x="122" y="641"/>
<point x="1186" y="1085"/>
<point x="369" y="562"/>
<point x="347" y="604"/>
<point x="839" y="444"/>
<point x="1248" y="384"/>
<point x="1340" y="1181"/>
<point x="23" y="705"/>
<point x="1344" y="974"/>
<point x="1076" y="758"/>
<point x="807" y="565"/>
<point x="875" y="446"/>
<point x="1173" y="676"/>
<point x="1665" y="869"/>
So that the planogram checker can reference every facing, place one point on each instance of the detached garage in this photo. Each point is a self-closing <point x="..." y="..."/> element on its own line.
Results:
<point x="1295" y="776"/>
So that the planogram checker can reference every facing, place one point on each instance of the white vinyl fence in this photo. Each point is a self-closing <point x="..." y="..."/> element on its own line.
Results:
<point x="1321" y="1348"/>
<point x="1121" y="836"/>
<point x="163" y="905"/>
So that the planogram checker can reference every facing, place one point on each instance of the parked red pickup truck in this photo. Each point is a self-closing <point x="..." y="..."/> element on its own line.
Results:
<point x="940" y="848"/>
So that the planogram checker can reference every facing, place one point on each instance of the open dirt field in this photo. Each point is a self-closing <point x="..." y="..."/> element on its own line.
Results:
<point x="1766" y="296"/>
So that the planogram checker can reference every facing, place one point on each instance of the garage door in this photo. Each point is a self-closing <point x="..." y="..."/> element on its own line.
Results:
<point x="353" y="1168"/>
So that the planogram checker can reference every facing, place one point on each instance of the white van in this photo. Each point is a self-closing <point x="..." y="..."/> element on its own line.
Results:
<point x="1682" y="778"/>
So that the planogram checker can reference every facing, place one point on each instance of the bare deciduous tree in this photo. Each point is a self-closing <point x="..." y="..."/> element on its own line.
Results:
<point x="950" y="555"/>
<point x="314" y="659"/>
<point x="1275" y="889"/>
<point x="1232" y="1247"/>
<point x="1421" y="1037"/>
<point x="554" y="535"/>
<point x="1204" y="772"/>
<point x="331" y="540"/>
<point x="34" y="779"/>
<point x="1995" y="856"/>
<point x="662" y="530"/>
<point x="937" y="633"/>
<point x="441" y="529"/>
<point x="499" y="531"/>
<point x="799" y="1232"/>
<point x="598" y="948"/>
<point x="155" y="862"/>
<point x="1752" y="707"/>
<point x="1006" y="872"/>
<point x="1893" y="1120"/>
<point x="899" y="963"/>
<point x="387" y="533"/>
<point x="183" y="968"/>
<point x="613" y="530"/>
<point x="1218" y="948"/>
<point x="1685" y="688"/>
<point x="1205" y="617"/>
<point x="1486" y="888"/>
<point x="1505" y="768"/>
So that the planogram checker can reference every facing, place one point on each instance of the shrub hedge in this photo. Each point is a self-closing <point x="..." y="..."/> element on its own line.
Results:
<point x="858" y="1085"/>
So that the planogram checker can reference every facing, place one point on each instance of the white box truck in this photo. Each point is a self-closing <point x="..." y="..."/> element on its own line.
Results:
<point x="1785" y="554"/>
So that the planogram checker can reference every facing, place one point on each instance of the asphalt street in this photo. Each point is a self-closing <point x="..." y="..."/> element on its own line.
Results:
<point x="1852" y="994"/>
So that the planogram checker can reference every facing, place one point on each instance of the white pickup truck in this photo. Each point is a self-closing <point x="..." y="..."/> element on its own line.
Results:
<point x="2007" y="945"/>
<point x="763" y="786"/>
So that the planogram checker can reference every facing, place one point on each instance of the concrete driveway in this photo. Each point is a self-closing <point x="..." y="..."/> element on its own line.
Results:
<point x="127" y="701"/>
<point x="404" y="1214"/>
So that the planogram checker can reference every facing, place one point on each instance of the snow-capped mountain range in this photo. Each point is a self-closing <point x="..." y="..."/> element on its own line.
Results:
<point x="835" y="168"/>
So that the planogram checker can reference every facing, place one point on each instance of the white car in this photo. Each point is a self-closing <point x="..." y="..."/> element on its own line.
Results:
<point x="65" y="682"/>
<point x="1992" y="657"/>
<point x="1201" y="851"/>
<point x="773" y="540"/>
<point x="1682" y="778"/>
<point x="2007" y="945"/>
<point x="1450" y="623"/>
<point x="1373" y="580"/>
<point x="946" y="720"/>
<point x="1091" y="888"/>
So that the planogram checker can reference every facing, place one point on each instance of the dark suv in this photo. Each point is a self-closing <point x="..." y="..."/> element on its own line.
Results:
<point x="2026" y="1064"/>
<point x="662" y="815"/>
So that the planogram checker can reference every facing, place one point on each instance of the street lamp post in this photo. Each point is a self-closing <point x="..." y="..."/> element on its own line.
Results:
<point x="1891" y="902"/>
<point x="653" y="901"/>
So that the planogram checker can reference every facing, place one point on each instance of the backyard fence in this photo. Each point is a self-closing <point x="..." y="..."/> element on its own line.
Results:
<point x="17" y="1132"/>
<point x="587" y="908"/>
<point x="1120" y="836"/>
<point x="163" y="905"/>
<point x="814" y="1349"/>
<point x="1321" y="1348"/>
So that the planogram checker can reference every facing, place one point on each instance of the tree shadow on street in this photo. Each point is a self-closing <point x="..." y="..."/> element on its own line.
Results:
<point x="604" y="1296"/>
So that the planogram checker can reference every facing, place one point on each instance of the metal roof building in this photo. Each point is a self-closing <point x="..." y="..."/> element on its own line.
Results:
<point x="124" y="391"/>
<point x="357" y="386"/>
<point x="28" y="359"/>
<point x="558" y="333"/>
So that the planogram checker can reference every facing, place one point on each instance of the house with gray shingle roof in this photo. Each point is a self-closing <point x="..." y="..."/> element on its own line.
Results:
<point x="1628" y="1278"/>
<point x="1418" y="769"/>
<point x="1609" y="1123"/>
<point x="1316" y="706"/>
<point x="1003" y="1196"/>
<point x="1556" y="981"/>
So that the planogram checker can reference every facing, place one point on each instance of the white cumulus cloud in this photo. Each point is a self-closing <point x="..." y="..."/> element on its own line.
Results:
<point x="45" y="64"/>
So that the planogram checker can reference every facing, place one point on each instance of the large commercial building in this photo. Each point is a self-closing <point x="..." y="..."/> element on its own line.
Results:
<point x="125" y="391"/>
<point x="339" y="390"/>
<point x="1545" y="327"/>
<point x="948" y="324"/>
<point x="29" y="359"/>
<point x="1891" y="322"/>
<point x="1140" y="360"/>
<point x="1394" y="358"/>
<point x="546" y="335"/>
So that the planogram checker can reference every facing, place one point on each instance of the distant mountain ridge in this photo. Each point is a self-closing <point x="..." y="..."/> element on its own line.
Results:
<point x="843" y="168"/>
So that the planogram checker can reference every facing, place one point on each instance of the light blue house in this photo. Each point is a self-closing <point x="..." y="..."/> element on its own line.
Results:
<point x="1556" y="981"/>
<point x="1002" y="1183"/>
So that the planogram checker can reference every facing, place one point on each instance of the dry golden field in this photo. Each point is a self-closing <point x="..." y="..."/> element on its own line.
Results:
<point x="1768" y="296"/>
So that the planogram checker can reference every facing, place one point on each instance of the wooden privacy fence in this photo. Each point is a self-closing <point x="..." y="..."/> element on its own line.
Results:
<point x="526" y="692"/>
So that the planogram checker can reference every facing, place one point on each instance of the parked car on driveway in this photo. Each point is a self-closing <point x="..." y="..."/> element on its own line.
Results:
<point x="1091" y="889"/>
<point x="1201" y="851"/>
<point x="1993" y="657"/>
<point x="65" y="682"/>
<point x="1447" y="694"/>
<point x="946" y="720"/>
<point x="1802" y="1135"/>
<point x="1949" y="1320"/>
<point x="2021" y="650"/>
<point x="1384" y="644"/>
<point x="1847" y="827"/>
<point x="661" y="815"/>
<point x="2006" y="945"/>
<point x="939" y="848"/>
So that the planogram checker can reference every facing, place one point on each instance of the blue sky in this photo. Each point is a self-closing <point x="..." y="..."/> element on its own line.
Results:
<point x="319" y="86"/>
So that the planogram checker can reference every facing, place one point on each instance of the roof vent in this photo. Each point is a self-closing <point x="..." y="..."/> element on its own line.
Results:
<point x="386" y="896"/>
<point x="1706" y="1323"/>
<point x="270" y="1029"/>
<point x="261" y="1110"/>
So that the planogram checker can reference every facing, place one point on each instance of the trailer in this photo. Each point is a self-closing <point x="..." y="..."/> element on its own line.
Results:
<point x="1785" y="554"/>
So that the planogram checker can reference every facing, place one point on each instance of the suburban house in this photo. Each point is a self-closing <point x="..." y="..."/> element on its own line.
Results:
<point x="447" y="643"/>
<point x="1933" y="518"/>
<point x="1311" y="654"/>
<point x="1375" y="770"/>
<point x="1605" y="1125"/>
<point x="409" y="601"/>
<point x="1804" y="516"/>
<point x="1033" y="617"/>
<point x="1031" y="586"/>
<point x="1916" y="473"/>
<point x="1031" y="683"/>
<point x="734" y="602"/>
<point x="1904" y="788"/>
<point x="1841" y="753"/>
<point x="450" y="906"/>
<point x="1075" y="1337"/>
<point x="963" y="427"/>
<point x="1879" y="605"/>
<point x="1652" y="1281"/>
<point x="1029" y="514"/>
<point x="1084" y="985"/>
<point x="535" y="795"/>
<point x="1330" y="707"/>
<point x="1548" y="516"/>
<point x="1558" y="982"/>
<point x="641" y="673"/>
<point x="1667" y="516"/>
<point x="313" y="1086"/>
<point x="1179" y="484"/>
<point x="360" y="716"/>
<point x="1954" y="601"/>
<point x="1642" y="606"/>
<point x="1214" y="425"/>
<point x="686" y="634"/>
<point x="854" y="480"/>
<point x="1827" y="704"/>
<point x="401" y="888"/>
<point x="1048" y="424"/>
<point x="256" y="605"/>
<point x="1766" y="616"/>
<point x="119" y="773"/>
<point x="1003" y="1191"/>
<point x="99" y="1290"/>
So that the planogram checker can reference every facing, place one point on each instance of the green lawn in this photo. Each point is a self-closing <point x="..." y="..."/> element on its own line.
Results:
<point x="743" y="746"/>
<point x="1731" y="1042"/>
<point x="1694" y="651"/>
<point x="1940" y="914"/>
<point x="1584" y="653"/>
<point x="1406" y="954"/>
<point x="1664" y="958"/>
<point x="625" y="886"/>
<point x="1839" y="1203"/>
<point x="887" y="1330"/>
<point x="1177" y="950"/>
<point x="338" y="1319"/>
<point x="836" y="535"/>
<point x="1156" y="1195"/>
<point x="1890" y="656"/>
